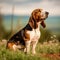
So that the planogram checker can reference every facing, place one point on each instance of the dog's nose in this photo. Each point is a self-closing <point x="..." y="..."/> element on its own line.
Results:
<point x="47" y="13"/>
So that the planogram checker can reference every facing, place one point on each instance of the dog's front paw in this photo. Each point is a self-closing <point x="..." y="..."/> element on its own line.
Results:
<point x="33" y="52"/>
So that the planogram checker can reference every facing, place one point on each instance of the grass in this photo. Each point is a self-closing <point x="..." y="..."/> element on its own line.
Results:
<point x="11" y="55"/>
<point x="45" y="51"/>
<point x="49" y="47"/>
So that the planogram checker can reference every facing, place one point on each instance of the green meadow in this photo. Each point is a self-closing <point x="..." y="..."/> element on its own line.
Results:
<point x="44" y="51"/>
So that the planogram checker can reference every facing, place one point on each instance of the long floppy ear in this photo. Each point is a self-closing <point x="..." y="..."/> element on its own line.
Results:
<point x="33" y="19"/>
<point x="33" y="23"/>
<point x="43" y="24"/>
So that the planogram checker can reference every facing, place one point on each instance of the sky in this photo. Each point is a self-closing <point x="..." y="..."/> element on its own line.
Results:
<point x="25" y="7"/>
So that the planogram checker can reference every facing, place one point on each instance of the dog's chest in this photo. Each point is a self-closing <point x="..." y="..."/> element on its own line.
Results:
<point x="34" y="34"/>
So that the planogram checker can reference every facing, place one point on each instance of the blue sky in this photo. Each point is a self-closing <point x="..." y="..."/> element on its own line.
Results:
<point x="25" y="7"/>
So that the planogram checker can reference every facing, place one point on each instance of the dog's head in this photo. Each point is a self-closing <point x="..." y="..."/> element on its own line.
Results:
<point x="38" y="16"/>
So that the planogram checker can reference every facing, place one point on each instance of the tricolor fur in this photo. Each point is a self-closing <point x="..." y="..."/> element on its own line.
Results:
<point x="30" y="34"/>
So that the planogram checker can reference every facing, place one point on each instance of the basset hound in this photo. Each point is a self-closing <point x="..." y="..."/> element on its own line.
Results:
<point x="30" y="34"/>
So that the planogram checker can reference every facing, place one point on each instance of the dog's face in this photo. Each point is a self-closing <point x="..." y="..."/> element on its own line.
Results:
<point x="38" y="16"/>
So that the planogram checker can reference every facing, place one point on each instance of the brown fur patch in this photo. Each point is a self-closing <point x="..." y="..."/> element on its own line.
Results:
<point x="10" y="46"/>
<point x="26" y="36"/>
<point x="43" y="24"/>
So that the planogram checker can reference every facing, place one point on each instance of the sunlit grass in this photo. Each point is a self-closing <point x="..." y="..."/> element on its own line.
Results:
<point x="44" y="48"/>
<point x="48" y="47"/>
<point x="18" y="55"/>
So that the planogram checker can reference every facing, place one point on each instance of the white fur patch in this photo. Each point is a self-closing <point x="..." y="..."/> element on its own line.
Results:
<point x="34" y="34"/>
<point x="14" y="47"/>
<point x="43" y="14"/>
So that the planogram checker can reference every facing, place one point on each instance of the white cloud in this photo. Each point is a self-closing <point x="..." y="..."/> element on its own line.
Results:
<point x="19" y="0"/>
<point x="27" y="8"/>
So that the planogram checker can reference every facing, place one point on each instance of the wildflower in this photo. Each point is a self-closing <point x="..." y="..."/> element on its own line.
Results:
<point x="56" y="44"/>
<point x="54" y="36"/>
<point x="51" y="37"/>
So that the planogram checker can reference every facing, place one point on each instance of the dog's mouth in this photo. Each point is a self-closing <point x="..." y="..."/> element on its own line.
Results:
<point x="45" y="16"/>
<point x="46" y="13"/>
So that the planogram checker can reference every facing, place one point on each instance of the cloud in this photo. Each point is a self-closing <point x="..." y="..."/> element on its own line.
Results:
<point x="25" y="7"/>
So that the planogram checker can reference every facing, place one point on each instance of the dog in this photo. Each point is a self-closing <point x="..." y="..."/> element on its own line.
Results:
<point x="30" y="34"/>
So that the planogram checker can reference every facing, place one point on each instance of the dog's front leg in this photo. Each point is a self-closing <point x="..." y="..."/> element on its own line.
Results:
<point x="27" y="47"/>
<point x="34" y="43"/>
